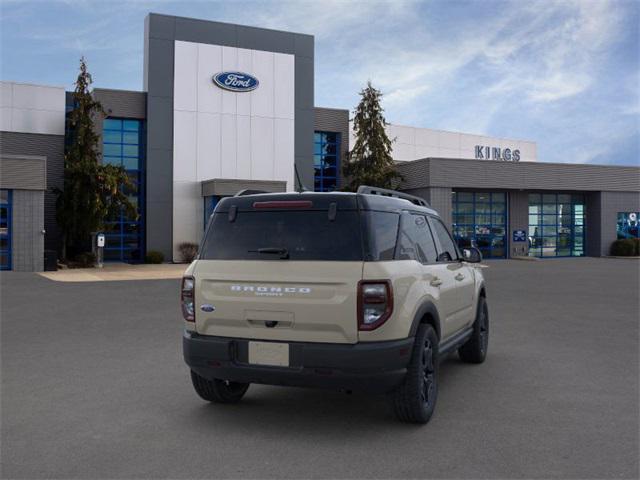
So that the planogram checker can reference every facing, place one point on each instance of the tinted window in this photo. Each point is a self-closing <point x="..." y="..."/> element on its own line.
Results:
<point x="382" y="232"/>
<point x="305" y="235"/>
<point x="415" y="240"/>
<point x="449" y="252"/>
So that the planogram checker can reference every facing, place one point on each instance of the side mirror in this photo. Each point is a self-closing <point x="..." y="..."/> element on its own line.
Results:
<point x="471" y="255"/>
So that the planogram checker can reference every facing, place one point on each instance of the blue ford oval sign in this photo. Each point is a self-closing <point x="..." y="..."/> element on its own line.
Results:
<point x="236" y="81"/>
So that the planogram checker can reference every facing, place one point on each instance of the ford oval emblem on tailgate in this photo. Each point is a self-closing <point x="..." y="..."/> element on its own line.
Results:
<point x="207" y="308"/>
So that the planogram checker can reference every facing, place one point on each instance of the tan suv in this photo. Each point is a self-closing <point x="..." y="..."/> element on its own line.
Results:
<point x="353" y="291"/>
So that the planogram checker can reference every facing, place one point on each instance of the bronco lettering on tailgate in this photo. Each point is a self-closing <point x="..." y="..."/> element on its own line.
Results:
<point x="270" y="291"/>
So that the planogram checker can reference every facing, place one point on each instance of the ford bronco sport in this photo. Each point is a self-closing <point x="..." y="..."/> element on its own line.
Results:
<point x="352" y="291"/>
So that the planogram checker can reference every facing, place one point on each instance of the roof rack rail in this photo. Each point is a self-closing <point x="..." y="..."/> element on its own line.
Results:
<point x="249" y="191"/>
<point x="392" y="193"/>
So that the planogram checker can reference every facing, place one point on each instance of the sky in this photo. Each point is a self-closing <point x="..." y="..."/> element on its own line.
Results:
<point x="565" y="74"/>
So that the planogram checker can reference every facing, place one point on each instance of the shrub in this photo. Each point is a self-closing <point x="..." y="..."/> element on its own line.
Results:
<point x="85" y="260"/>
<point x="188" y="251"/>
<point x="153" y="256"/>
<point x="628" y="247"/>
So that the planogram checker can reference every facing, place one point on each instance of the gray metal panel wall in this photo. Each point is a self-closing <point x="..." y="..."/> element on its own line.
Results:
<point x="161" y="32"/>
<point x="593" y="227"/>
<point x="334" y="120"/>
<point x="122" y="103"/>
<point x="610" y="204"/>
<point x="27" y="240"/>
<point x="518" y="219"/>
<point x="23" y="171"/>
<point x="224" y="186"/>
<point x="440" y="200"/>
<point x="51" y="147"/>
<point x="489" y="174"/>
<point x="415" y="175"/>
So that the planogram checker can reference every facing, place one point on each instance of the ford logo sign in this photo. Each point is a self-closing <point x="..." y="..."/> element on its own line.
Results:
<point x="207" y="308"/>
<point x="236" y="81"/>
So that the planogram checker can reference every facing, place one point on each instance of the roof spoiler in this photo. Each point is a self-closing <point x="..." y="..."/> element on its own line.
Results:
<point x="366" y="189"/>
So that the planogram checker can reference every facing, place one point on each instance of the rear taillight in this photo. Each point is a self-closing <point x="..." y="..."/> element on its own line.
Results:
<point x="186" y="299"/>
<point x="375" y="303"/>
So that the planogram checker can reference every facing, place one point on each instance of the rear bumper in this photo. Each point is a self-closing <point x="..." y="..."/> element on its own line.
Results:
<point x="371" y="367"/>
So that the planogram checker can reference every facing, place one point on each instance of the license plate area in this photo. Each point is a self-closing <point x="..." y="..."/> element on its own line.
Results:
<point x="269" y="353"/>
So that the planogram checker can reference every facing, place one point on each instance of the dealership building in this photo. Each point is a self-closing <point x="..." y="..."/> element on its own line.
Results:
<point x="228" y="107"/>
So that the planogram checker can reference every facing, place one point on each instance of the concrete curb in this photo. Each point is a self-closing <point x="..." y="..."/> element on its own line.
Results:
<point x="118" y="272"/>
<point x="525" y="259"/>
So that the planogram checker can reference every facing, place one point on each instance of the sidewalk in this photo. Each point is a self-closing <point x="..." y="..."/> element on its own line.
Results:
<point x="118" y="272"/>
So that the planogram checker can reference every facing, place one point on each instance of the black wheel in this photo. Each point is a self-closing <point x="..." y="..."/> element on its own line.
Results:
<point x="415" y="400"/>
<point x="218" y="391"/>
<point x="475" y="350"/>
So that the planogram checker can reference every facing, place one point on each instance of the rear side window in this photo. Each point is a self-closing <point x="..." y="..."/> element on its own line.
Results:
<point x="303" y="234"/>
<point x="448" y="251"/>
<point x="415" y="241"/>
<point x="381" y="233"/>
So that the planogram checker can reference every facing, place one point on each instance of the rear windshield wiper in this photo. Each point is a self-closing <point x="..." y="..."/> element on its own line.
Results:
<point x="283" y="252"/>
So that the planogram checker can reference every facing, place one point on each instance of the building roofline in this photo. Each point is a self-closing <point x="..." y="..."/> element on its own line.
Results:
<point x="463" y="133"/>
<point x="30" y="84"/>
<point x="401" y="162"/>
<point x="332" y="108"/>
<point x="227" y="23"/>
<point x="117" y="90"/>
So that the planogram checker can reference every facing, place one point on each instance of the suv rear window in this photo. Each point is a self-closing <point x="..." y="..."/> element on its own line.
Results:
<point x="303" y="234"/>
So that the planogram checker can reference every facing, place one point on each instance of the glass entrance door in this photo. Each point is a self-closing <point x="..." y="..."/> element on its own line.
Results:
<point x="5" y="229"/>
<point x="556" y="225"/>
<point x="479" y="220"/>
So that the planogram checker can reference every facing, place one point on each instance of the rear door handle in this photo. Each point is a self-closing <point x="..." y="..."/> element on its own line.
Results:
<point x="459" y="277"/>
<point x="436" y="282"/>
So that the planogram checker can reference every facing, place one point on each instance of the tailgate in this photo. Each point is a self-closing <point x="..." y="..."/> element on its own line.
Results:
<point x="306" y="301"/>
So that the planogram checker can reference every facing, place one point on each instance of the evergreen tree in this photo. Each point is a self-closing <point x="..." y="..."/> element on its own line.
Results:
<point x="92" y="191"/>
<point x="370" y="161"/>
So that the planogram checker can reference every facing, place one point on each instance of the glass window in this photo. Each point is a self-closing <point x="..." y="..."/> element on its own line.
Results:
<point x="627" y="225"/>
<point x="326" y="161"/>
<point x="112" y="137"/>
<point x="382" y="232"/>
<point x="305" y="235"/>
<point x="5" y="229"/>
<point x="122" y="147"/>
<point x="112" y="149"/>
<point x="131" y="125"/>
<point x="415" y="241"/>
<point x="485" y="215"/>
<point x="447" y="251"/>
<point x="559" y="231"/>
<point x="112" y="124"/>
<point x="464" y="196"/>
<point x="131" y="138"/>
<point x="130" y="150"/>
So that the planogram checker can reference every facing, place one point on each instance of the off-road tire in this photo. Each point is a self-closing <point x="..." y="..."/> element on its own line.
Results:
<point x="218" y="391"/>
<point x="414" y="401"/>
<point x="475" y="349"/>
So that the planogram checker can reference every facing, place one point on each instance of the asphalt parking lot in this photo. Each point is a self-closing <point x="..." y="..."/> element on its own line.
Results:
<point x="94" y="386"/>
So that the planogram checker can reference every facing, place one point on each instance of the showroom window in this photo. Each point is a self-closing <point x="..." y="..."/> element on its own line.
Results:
<point x="123" y="145"/>
<point x="627" y="225"/>
<point x="5" y="229"/>
<point x="556" y="225"/>
<point x="326" y="161"/>
<point x="210" y="203"/>
<point x="479" y="220"/>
